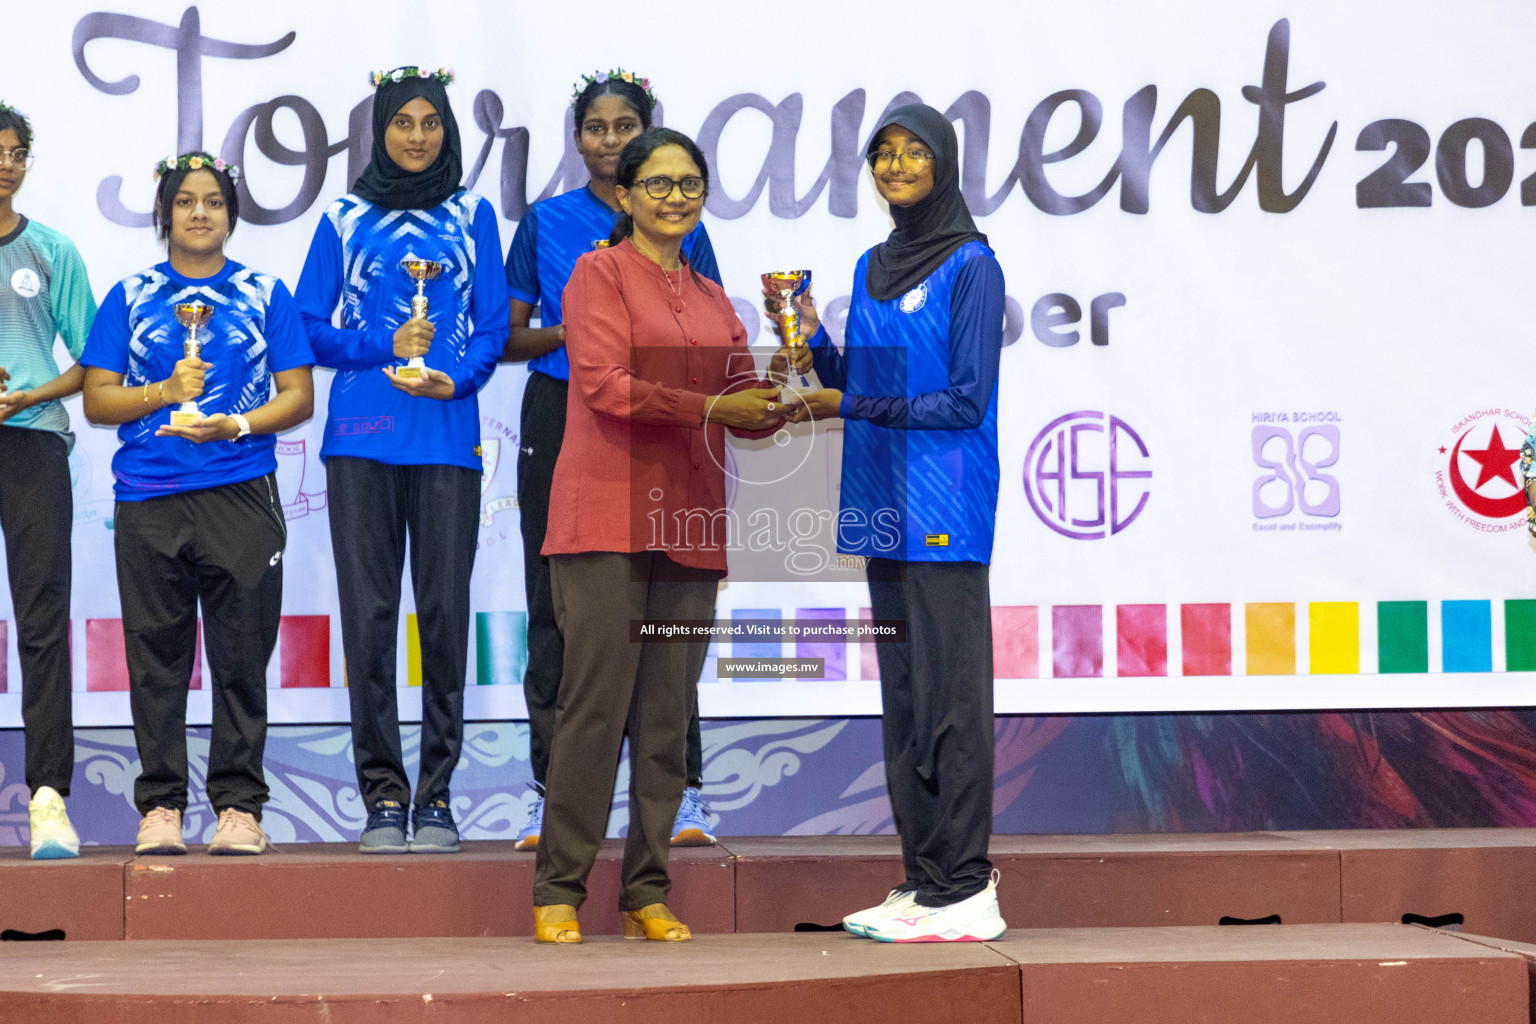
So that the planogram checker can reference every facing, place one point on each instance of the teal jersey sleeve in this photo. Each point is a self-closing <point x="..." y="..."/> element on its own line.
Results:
<point x="74" y="305"/>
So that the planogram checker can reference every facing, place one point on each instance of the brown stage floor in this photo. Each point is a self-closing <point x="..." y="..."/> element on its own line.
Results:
<point x="773" y="884"/>
<point x="1320" y="974"/>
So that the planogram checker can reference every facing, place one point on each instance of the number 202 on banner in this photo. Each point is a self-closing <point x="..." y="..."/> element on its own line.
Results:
<point x="1388" y="185"/>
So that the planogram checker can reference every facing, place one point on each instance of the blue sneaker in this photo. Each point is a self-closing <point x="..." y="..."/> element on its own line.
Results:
<point x="433" y="830"/>
<point x="691" y="828"/>
<point x="528" y="838"/>
<point x="385" y="831"/>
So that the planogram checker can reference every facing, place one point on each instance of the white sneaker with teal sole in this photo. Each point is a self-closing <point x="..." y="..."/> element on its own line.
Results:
<point x="53" y="837"/>
<point x="858" y="923"/>
<point x="528" y="838"/>
<point x="976" y="919"/>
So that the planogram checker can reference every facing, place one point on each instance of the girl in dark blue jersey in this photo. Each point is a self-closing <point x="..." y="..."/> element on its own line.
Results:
<point x="402" y="452"/>
<point x="198" y="519"/>
<point x="609" y="109"/>
<point x="917" y="385"/>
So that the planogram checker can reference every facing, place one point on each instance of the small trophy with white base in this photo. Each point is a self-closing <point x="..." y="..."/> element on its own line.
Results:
<point x="788" y="284"/>
<point x="421" y="271"/>
<point x="191" y="315"/>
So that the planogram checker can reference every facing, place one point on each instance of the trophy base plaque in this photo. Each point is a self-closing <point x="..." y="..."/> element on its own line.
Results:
<point x="409" y="373"/>
<point x="181" y="418"/>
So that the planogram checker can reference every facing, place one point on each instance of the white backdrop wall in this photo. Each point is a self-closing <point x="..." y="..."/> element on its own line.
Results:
<point x="1267" y="258"/>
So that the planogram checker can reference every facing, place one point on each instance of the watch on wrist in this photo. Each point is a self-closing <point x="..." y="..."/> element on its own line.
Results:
<point x="244" y="425"/>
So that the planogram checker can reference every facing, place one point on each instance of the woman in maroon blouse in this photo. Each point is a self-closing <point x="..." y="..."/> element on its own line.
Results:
<point x="659" y="371"/>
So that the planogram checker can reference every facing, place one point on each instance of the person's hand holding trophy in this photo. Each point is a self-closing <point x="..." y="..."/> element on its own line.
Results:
<point x="788" y="297"/>
<point x="413" y="339"/>
<point x="186" y="383"/>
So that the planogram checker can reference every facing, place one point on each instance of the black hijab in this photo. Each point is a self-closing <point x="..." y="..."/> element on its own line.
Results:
<point x="383" y="182"/>
<point x="928" y="231"/>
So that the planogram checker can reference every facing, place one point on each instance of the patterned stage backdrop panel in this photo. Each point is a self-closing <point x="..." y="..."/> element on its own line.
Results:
<point x="1261" y="397"/>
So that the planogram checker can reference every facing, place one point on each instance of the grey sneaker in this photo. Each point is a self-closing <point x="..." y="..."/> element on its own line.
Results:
<point x="434" y="830"/>
<point x="385" y="831"/>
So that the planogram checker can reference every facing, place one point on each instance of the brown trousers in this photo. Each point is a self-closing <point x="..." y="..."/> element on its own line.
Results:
<point x="612" y="686"/>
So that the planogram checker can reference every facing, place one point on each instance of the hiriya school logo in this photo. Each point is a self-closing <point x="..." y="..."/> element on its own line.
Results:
<point x="1293" y="449"/>
<point x="1087" y="475"/>
<point x="25" y="283"/>
<point x="914" y="299"/>
<point x="1476" y="471"/>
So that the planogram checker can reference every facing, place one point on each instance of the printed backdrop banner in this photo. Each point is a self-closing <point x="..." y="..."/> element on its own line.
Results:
<point x="1262" y="390"/>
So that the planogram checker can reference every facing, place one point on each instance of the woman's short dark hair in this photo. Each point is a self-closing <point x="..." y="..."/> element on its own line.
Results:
<point x="630" y="92"/>
<point x="170" y="184"/>
<point x="18" y="124"/>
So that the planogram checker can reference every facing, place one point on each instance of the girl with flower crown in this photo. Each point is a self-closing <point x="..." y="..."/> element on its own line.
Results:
<point x="198" y="519"/>
<point x="48" y="295"/>
<point x="609" y="108"/>
<point x="402" y="450"/>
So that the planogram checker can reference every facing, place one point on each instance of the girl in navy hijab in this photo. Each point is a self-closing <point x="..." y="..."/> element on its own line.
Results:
<point x="917" y="384"/>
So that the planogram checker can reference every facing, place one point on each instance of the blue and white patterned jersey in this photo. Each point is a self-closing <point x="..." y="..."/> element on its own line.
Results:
<point x="255" y="332"/>
<point x="355" y="259"/>
<point x="919" y="376"/>
<point x="551" y="237"/>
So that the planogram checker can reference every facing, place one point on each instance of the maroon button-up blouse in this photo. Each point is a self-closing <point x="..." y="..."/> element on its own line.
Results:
<point x="638" y="470"/>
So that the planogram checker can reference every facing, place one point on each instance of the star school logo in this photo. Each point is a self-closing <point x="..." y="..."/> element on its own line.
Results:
<point x="1476" y="471"/>
<point x="914" y="299"/>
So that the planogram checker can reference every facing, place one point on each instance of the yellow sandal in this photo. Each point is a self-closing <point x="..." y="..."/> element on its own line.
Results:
<point x="556" y="923"/>
<point x="647" y="923"/>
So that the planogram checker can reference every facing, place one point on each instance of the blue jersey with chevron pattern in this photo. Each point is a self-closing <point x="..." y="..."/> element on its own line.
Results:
<point x="551" y="237"/>
<point x="919" y="376"/>
<point x="254" y="333"/>
<point x="354" y="262"/>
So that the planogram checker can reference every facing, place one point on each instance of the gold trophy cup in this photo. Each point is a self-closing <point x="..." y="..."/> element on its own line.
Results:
<point x="421" y="271"/>
<point x="788" y="284"/>
<point x="190" y="315"/>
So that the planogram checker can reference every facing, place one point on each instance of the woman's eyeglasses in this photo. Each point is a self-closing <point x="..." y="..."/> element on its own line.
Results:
<point x="661" y="186"/>
<point x="17" y="157"/>
<point x="912" y="160"/>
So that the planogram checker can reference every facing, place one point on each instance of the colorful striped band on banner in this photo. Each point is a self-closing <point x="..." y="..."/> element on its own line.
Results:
<point x="1466" y="636"/>
<point x="412" y="651"/>
<point x="501" y="648"/>
<point x="1271" y="639"/>
<point x="835" y="652"/>
<point x="1205" y="639"/>
<point x="1141" y="640"/>
<point x="1402" y="636"/>
<point x="1333" y="637"/>
<point x="869" y="659"/>
<point x="743" y="648"/>
<point x="1015" y="641"/>
<point x="304" y="651"/>
<point x="1519" y="636"/>
<point x="1077" y="641"/>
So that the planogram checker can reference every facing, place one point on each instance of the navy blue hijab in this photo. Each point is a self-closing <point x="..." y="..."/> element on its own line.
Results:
<point x="931" y="229"/>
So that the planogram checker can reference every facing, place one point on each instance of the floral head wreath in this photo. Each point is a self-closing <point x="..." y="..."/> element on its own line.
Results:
<point x="586" y="81"/>
<point x="377" y="78"/>
<point x="7" y="109"/>
<point x="196" y="162"/>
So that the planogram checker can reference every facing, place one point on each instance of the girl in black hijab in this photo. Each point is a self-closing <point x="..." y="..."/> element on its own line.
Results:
<point x="402" y="449"/>
<point x="917" y="384"/>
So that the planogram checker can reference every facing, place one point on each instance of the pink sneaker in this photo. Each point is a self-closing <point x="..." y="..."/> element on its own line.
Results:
<point x="237" y="834"/>
<point x="160" y="832"/>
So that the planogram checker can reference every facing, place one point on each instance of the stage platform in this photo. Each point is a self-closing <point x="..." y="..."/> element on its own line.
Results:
<point x="776" y="884"/>
<point x="1321" y="974"/>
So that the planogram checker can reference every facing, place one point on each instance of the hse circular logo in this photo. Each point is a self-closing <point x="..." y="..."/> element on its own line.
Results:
<point x="1088" y="475"/>
<point x="25" y="283"/>
<point x="1478" y="470"/>
<point x="914" y="299"/>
